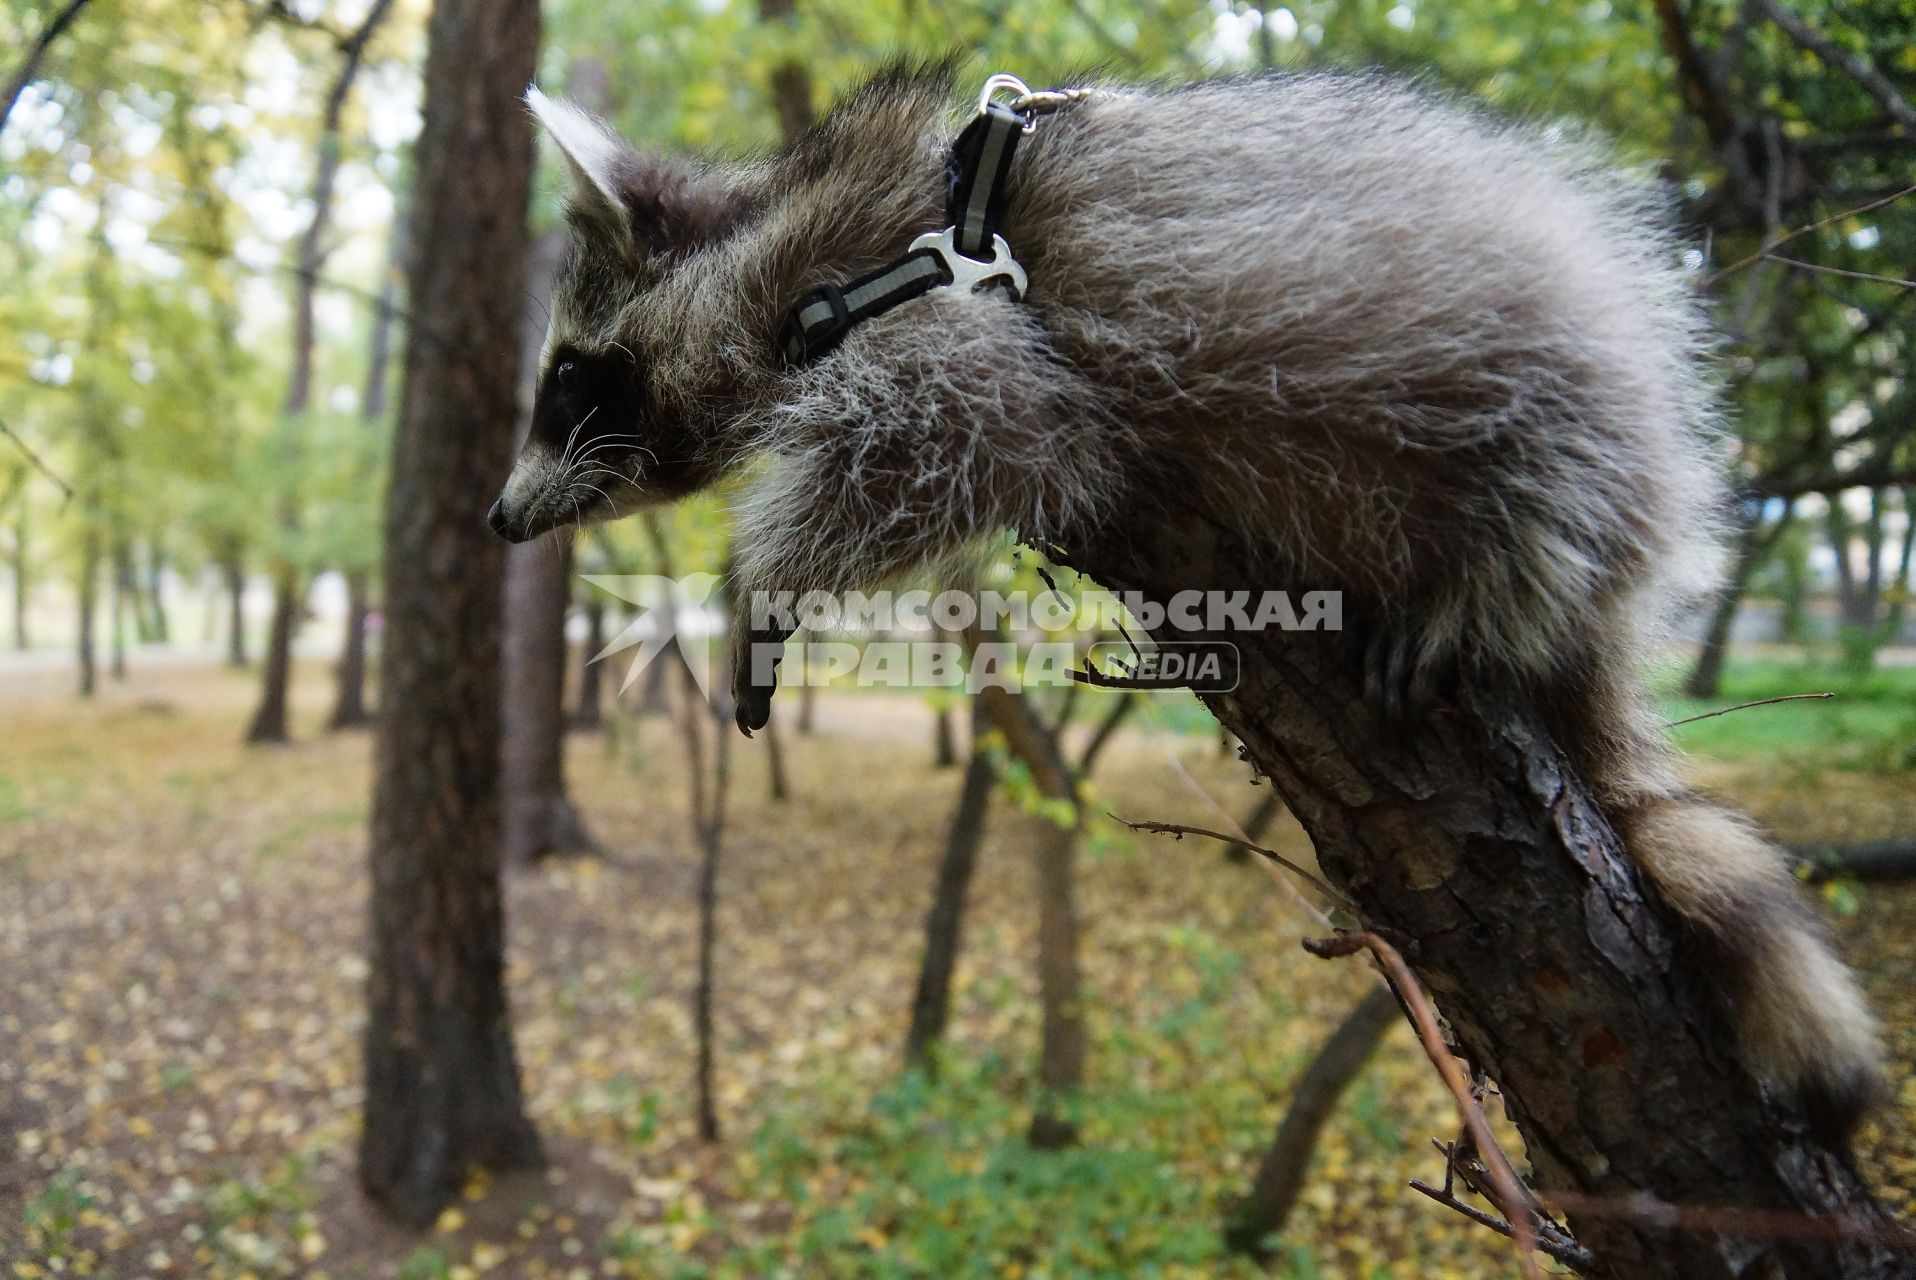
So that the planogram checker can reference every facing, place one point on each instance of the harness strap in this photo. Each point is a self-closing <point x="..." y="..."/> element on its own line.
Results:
<point x="975" y="179"/>
<point x="975" y="176"/>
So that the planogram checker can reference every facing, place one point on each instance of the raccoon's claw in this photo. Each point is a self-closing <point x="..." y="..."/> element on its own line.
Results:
<point x="1397" y="686"/>
<point x="752" y="701"/>
<point x="753" y="710"/>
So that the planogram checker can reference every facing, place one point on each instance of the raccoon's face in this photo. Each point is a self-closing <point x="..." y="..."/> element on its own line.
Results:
<point x="603" y="441"/>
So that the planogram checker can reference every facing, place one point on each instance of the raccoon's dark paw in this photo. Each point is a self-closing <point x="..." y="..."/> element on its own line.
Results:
<point x="752" y="698"/>
<point x="1399" y="686"/>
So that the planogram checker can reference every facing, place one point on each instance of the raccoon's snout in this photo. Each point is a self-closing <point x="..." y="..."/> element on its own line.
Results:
<point x="501" y="523"/>
<point x="518" y="526"/>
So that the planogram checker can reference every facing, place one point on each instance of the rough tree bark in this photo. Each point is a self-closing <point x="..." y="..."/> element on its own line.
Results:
<point x="289" y="588"/>
<point x="944" y="923"/>
<point x="442" y="1085"/>
<point x="1261" y="1214"/>
<point x="1465" y="838"/>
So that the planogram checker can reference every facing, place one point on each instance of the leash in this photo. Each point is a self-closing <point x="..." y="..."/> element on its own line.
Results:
<point x="968" y="253"/>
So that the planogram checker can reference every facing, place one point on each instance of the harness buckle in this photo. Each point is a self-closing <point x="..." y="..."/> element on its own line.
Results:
<point x="969" y="272"/>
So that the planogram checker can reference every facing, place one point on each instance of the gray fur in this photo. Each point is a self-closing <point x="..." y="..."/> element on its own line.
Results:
<point x="1445" y="364"/>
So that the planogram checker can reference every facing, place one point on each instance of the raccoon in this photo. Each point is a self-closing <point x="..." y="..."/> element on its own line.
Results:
<point x="1448" y="365"/>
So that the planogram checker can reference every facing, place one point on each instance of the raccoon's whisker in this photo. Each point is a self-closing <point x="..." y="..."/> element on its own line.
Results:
<point x="566" y="452"/>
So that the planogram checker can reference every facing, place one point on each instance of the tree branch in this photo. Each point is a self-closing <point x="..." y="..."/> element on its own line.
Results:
<point x="34" y="459"/>
<point x="1465" y="839"/>
<point x="31" y="66"/>
<point x="1851" y="64"/>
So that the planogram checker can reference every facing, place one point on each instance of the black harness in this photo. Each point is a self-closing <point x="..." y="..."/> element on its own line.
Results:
<point x="969" y="251"/>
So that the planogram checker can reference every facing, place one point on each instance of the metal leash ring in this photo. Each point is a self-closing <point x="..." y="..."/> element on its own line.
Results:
<point x="1027" y="102"/>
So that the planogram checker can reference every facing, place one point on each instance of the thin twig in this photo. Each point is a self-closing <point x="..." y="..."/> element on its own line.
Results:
<point x="1788" y="236"/>
<point x="1844" y="272"/>
<point x="1760" y="702"/>
<point x="1575" y="1257"/>
<point x="1179" y="831"/>
<point x="1510" y="1194"/>
<point x="38" y="463"/>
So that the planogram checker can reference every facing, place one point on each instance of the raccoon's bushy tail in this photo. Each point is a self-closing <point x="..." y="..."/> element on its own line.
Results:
<point x="1802" y="1019"/>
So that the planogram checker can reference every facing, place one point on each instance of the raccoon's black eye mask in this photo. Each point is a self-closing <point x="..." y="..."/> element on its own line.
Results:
<point x="587" y="396"/>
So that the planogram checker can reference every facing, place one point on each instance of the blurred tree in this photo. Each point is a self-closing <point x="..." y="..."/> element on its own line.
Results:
<point x="289" y="587"/>
<point x="944" y="922"/>
<point x="442" y="1083"/>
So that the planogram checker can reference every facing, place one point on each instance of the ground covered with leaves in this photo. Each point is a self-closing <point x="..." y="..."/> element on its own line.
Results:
<point x="182" y="926"/>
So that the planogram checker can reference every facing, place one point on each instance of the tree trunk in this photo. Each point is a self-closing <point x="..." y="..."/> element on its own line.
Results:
<point x="236" y="628"/>
<point x="1464" y="837"/>
<point x="276" y="676"/>
<point x="159" y="624"/>
<point x="349" y="706"/>
<point x="1753" y="547"/>
<point x="944" y="924"/>
<point x="540" y="821"/>
<point x="118" y="601"/>
<point x="22" y="590"/>
<point x="1269" y="808"/>
<point x="1258" y="1217"/>
<point x="591" y="713"/>
<point x="944" y="749"/>
<point x="775" y="761"/>
<point x="1893" y="858"/>
<point x="791" y="79"/>
<point x="442" y="1084"/>
<point x="1062" y="1054"/>
<point x="807" y="708"/>
<point x="88" y="595"/>
<point x="709" y="824"/>
<point x="269" y="722"/>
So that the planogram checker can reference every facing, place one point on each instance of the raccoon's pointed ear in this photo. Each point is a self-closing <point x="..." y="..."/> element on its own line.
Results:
<point x="598" y="158"/>
<point x="652" y="205"/>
